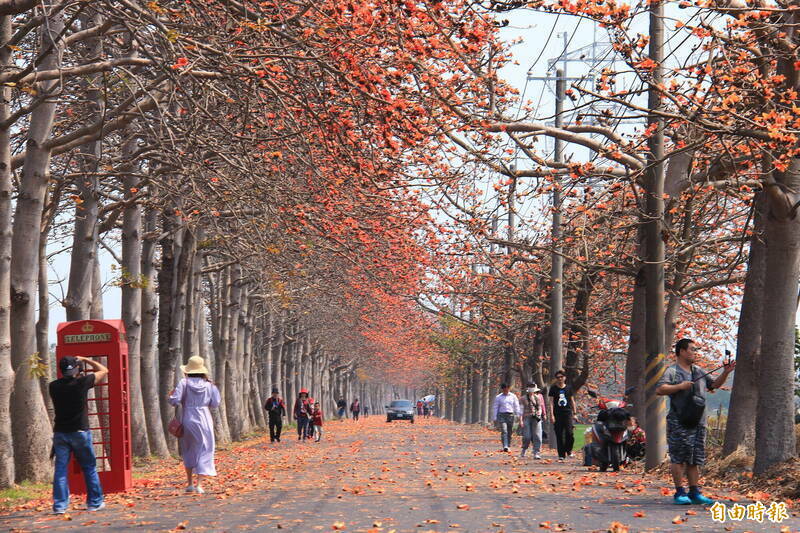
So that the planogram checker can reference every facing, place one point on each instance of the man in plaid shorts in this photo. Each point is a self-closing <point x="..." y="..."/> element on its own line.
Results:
<point x="687" y="443"/>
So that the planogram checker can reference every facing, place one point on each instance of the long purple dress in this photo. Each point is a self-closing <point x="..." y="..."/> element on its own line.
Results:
<point x="197" y="443"/>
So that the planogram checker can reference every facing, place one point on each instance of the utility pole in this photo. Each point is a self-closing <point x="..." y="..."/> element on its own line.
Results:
<point x="557" y="270"/>
<point x="654" y="245"/>
<point x="508" y="347"/>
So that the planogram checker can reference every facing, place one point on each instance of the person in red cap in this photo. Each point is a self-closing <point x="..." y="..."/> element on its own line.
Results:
<point x="302" y="413"/>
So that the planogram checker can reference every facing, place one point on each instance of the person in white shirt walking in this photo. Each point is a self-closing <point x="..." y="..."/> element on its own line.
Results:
<point x="506" y="409"/>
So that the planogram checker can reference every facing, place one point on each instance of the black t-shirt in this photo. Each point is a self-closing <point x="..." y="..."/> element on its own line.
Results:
<point x="69" y="402"/>
<point x="561" y="399"/>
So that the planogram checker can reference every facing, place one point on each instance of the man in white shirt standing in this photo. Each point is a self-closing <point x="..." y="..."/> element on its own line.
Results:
<point x="506" y="408"/>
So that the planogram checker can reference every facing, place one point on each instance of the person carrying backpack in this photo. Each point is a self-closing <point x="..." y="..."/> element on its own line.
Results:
<point x="533" y="411"/>
<point x="276" y="410"/>
<point x="302" y="414"/>
<point x="686" y="386"/>
<point x="355" y="408"/>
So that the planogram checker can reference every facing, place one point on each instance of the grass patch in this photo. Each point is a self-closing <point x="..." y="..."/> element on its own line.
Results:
<point x="580" y="440"/>
<point x="22" y="493"/>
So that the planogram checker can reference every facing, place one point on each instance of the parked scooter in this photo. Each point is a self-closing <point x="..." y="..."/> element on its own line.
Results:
<point x="607" y="439"/>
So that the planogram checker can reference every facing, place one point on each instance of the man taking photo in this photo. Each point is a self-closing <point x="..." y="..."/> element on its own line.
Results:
<point x="71" y="433"/>
<point x="686" y="385"/>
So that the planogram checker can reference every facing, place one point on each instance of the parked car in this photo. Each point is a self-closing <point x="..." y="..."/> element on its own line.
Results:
<point x="400" y="410"/>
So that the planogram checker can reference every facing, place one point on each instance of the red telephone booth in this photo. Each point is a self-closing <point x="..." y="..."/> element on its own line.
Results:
<point x="109" y="405"/>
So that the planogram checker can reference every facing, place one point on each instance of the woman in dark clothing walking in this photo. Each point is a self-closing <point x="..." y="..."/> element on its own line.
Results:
<point x="355" y="408"/>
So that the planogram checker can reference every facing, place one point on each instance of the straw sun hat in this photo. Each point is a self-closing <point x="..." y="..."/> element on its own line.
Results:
<point x="196" y="365"/>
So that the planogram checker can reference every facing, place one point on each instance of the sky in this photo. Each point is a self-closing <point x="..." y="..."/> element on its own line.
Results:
<point x="538" y="38"/>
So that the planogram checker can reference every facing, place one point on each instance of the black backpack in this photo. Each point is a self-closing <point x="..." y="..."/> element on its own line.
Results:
<point x="692" y="405"/>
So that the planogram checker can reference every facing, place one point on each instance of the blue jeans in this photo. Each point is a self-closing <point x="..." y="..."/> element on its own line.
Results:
<point x="532" y="433"/>
<point x="80" y="444"/>
<point x="506" y="421"/>
<point x="302" y="427"/>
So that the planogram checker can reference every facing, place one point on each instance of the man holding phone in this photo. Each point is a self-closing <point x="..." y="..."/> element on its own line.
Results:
<point x="686" y="385"/>
<point x="71" y="434"/>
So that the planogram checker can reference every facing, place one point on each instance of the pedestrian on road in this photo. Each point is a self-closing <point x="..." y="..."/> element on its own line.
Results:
<point x="71" y="435"/>
<point x="316" y="420"/>
<point x="561" y="415"/>
<point x="686" y="386"/>
<point x="355" y="408"/>
<point x="276" y="410"/>
<point x="533" y="410"/>
<point x="196" y="394"/>
<point x="366" y="411"/>
<point x="419" y="407"/>
<point x="506" y="409"/>
<point x="341" y="406"/>
<point x="302" y="413"/>
<point x="310" y="427"/>
<point x="637" y="441"/>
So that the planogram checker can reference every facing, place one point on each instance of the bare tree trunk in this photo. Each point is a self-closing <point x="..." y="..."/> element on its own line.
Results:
<point x="775" y="433"/>
<point x="132" y="284"/>
<point x="635" y="360"/>
<point x="740" y="427"/>
<point x="81" y="289"/>
<point x="31" y="431"/>
<point x="276" y="347"/>
<point x="654" y="245"/>
<point x="166" y="311"/>
<point x="96" y="310"/>
<point x="43" y="326"/>
<point x="233" y="405"/>
<point x="508" y="359"/>
<point x="268" y="363"/>
<point x="177" y="255"/>
<point x="245" y="362"/>
<point x="577" y="360"/>
<point x="149" y="362"/>
<point x="477" y="394"/>
<point x="217" y="286"/>
<point x="7" y="477"/>
<point x="255" y="353"/>
<point x="220" y="335"/>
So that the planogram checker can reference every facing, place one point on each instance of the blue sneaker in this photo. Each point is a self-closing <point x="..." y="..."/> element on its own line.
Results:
<point x="697" y="498"/>
<point x="681" y="499"/>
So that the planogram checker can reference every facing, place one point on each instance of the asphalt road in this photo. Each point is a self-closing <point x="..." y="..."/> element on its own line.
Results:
<point x="372" y="476"/>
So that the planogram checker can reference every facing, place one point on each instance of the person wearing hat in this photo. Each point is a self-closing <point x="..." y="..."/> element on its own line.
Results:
<point x="533" y="409"/>
<point x="196" y="394"/>
<point x="71" y="433"/>
<point x="302" y="413"/>
<point x="276" y="410"/>
<point x="355" y="408"/>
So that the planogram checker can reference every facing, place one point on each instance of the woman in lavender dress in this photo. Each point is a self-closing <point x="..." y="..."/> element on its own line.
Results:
<point x="195" y="394"/>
